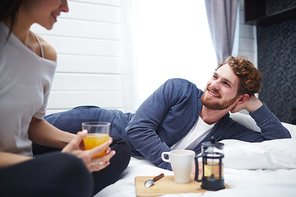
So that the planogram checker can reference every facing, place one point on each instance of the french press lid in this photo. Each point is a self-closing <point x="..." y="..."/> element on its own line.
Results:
<point x="213" y="143"/>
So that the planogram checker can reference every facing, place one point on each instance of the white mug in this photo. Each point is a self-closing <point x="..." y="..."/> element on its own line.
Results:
<point x="182" y="162"/>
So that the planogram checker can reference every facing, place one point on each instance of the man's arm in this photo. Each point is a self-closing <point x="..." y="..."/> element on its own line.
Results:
<point x="163" y="119"/>
<point x="142" y="129"/>
<point x="251" y="105"/>
<point x="270" y="125"/>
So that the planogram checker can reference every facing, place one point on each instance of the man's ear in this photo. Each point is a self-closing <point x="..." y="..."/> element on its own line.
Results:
<point x="238" y="104"/>
<point x="242" y="98"/>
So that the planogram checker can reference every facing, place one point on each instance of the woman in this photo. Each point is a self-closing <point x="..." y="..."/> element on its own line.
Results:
<point x="27" y="67"/>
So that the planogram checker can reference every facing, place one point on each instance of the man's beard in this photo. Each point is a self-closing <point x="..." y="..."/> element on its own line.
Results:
<point x="215" y="105"/>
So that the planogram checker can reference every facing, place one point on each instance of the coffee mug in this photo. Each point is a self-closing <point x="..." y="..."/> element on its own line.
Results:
<point x="182" y="162"/>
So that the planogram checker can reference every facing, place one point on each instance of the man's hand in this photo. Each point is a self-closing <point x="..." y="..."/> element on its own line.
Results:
<point x="251" y="104"/>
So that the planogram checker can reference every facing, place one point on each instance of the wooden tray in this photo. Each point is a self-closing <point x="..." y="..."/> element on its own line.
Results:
<point x="166" y="185"/>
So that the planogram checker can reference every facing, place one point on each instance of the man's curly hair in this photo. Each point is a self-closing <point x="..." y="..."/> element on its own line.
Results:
<point x="249" y="76"/>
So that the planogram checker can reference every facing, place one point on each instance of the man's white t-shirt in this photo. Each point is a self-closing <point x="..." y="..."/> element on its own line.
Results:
<point x="195" y="135"/>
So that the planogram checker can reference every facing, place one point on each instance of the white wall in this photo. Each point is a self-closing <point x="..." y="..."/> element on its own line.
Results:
<point x="176" y="44"/>
<point x="91" y="68"/>
<point x="247" y="44"/>
<point x="247" y="37"/>
<point x="87" y="41"/>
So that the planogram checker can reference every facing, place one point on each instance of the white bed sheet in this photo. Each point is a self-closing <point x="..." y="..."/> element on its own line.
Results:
<point x="261" y="183"/>
<point x="125" y="187"/>
<point x="267" y="169"/>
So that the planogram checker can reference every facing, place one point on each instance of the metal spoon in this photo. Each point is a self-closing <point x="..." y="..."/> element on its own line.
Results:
<point x="149" y="182"/>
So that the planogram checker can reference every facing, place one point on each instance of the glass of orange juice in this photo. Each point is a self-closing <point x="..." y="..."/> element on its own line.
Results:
<point x="98" y="133"/>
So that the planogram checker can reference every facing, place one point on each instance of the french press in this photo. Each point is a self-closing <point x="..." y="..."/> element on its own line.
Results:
<point x="212" y="165"/>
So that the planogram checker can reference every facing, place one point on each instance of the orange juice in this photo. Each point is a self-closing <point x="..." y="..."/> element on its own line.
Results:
<point x="95" y="139"/>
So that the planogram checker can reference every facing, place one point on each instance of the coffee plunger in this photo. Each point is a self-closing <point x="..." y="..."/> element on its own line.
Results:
<point x="212" y="165"/>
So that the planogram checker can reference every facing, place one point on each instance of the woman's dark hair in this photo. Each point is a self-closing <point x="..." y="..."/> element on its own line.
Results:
<point x="9" y="8"/>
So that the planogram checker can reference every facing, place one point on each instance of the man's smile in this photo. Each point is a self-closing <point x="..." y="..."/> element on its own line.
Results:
<point x="212" y="93"/>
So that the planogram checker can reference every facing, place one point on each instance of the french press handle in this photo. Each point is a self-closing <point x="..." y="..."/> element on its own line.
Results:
<point x="197" y="168"/>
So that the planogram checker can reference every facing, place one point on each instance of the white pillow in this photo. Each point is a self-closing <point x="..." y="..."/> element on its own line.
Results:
<point x="272" y="154"/>
<point x="291" y="128"/>
<point x="250" y="123"/>
<point x="245" y="120"/>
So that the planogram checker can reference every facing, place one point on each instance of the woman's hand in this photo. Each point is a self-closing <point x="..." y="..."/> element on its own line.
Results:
<point x="96" y="164"/>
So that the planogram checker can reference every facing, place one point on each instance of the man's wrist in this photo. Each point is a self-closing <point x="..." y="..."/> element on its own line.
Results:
<point x="254" y="105"/>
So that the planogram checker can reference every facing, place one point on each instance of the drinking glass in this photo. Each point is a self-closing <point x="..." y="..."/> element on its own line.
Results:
<point x="98" y="133"/>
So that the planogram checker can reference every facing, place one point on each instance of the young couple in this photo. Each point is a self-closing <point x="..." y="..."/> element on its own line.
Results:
<point x="177" y="115"/>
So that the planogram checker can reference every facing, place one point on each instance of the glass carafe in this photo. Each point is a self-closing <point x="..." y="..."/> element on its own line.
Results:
<point x="212" y="165"/>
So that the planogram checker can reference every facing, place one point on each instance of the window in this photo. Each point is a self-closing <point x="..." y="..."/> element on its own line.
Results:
<point x="173" y="41"/>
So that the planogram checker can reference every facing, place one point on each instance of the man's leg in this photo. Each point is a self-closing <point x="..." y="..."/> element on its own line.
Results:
<point x="118" y="164"/>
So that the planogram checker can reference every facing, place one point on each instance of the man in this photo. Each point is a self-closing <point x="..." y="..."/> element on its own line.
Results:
<point x="178" y="115"/>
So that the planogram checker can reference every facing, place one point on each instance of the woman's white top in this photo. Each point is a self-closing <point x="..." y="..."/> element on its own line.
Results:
<point x="25" y="82"/>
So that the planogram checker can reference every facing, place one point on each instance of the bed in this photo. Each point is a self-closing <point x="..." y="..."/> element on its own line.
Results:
<point x="266" y="169"/>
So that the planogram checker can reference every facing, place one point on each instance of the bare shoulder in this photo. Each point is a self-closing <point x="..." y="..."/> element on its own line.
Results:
<point x="49" y="51"/>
